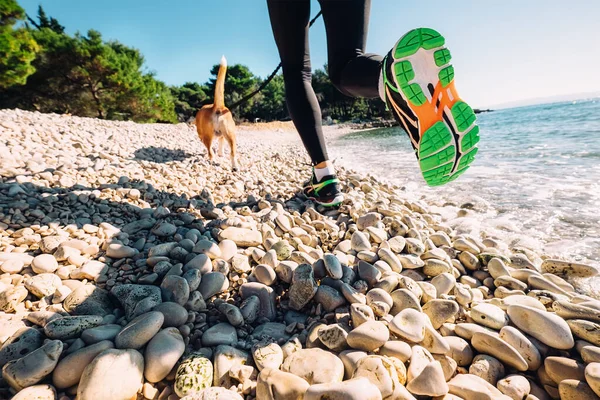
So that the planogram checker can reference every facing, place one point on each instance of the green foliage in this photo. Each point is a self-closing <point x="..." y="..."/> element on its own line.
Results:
<point x="17" y="47"/>
<point x="189" y="98"/>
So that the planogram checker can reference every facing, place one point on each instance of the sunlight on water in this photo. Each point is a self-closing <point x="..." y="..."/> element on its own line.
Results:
<point x="536" y="176"/>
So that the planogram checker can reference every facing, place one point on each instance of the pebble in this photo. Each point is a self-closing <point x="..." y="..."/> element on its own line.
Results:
<point x="174" y="315"/>
<point x="303" y="287"/>
<point x="22" y="342"/>
<point x="139" y="331"/>
<point x="213" y="283"/>
<point x="489" y="315"/>
<point x="33" y="367"/>
<point x="586" y="330"/>
<point x="71" y="327"/>
<point x="560" y="267"/>
<point x="43" y="285"/>
<point x="592" y="376"/>
<point x="69" y="369"/>
<point x="273" y="384"/>
<point x="487" y="368"/>
<point x="100" y="333"/>
<point x="329" y="298"/>
<point x="267" y="356"/>
<point x="523" y="345"/>
<point x="44" y="263"/>
<point x="315" y="366"/>
<point x="225" y="359"/>
<point x="352" y="389"/>
<point x="369" y="336"/>
<point x="572" y="389"/>
<point x="88" y="300"/>
<point x="194" y="374"/>
<point x="137" y="299"/>
<point x="242" y="237"/>
<point x="162" y="353"/>
<point x="175" y="289"/>
<point x="122" y="368"/>
<point x="36" y="392"/>
<point x="221" y="333"/>
<point x="490" y="343"/>
<point x="538" y="323"/>
<point x="409" y="324"/>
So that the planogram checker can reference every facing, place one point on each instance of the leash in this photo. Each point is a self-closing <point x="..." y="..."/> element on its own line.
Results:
<point x="270" y="77"/>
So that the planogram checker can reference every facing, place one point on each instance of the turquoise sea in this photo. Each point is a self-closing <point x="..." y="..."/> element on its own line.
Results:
<point x="535" y="181"/>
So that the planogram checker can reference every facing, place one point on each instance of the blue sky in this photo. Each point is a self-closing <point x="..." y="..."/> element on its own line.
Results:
<point x="503" y="51"/>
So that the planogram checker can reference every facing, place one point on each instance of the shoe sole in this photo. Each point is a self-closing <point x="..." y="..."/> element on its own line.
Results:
<point x="337" y="201"/>
<point x="425" y="77"/>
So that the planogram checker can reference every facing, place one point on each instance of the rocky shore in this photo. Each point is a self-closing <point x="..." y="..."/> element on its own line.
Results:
<point x="132" y="268"/>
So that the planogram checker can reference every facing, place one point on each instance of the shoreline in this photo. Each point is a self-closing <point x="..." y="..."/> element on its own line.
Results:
<point x="233" y="266"/>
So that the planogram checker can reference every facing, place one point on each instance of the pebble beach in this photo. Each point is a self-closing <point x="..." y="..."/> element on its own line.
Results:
<point x="133" y="268"/>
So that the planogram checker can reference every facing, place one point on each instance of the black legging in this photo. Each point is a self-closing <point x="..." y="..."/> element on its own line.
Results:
<point x="351" y="71"/>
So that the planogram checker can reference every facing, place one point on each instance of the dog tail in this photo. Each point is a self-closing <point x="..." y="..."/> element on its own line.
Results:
<point x="220" y="85"/>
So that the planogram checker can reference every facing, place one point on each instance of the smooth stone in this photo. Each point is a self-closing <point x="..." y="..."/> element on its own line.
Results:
<point x="487" y="368"/>
<point x="522" y="301"/>
<point x="37" y="392"/>
<point x="273" y="384"/>
<point x="270" y="331"/>
<point x="352" y="389"/>
<point x="329" y="298"/>
<point x="388" y="374"/>
<point x="434" y="267"/>
<point x="360" y="313"/>
<point x="359" y="242"/>
<point x="391" y="259"/>
<point x="93" y="269"/>
<point x="497" y="268"/>
<point x="444" y="283"/>
<point x="100" y="333"/>
<point x="117" y="251"/>
<point x="315" y="366"/>
<point x="12" y="297"/>
<point x="523" y="345"/>
<point x="425" y="375"/>
<point x="573" y="389"/>
<point x="193" y="278"/>
<point x="266" y="297"/>
<point x="222" y="333"/>
<point x="33" y="367"/>
<point x="368" y="272"/>
<point x="12" y="266"/>
<point x="176" y="289"/>
<point x="122" y="368"/>
<point x="22" y="342"/>
<point x="403" y="299"/>
<point x="225" y="359"/>
<point x="333" y="266"/>
<point x="162" y="353"/>
<point x="590" y="353"/>
<point x="164" y="229"/>
<point x="559" y="267"/>
<point x="489" y="315"/>
<point x="491" y="344"/>
<point x="567" y="310"/>
<point x="460" y="350"/>
<point x="586" y="330"/>
<point x="194" y="374"/>
<point x="466" y="330"/>
<point x="161" y="250"/>
<point x="561" y="368"/>
<point x="174" y="314"/>
<point x="71" y="327"/>
<point x="334" y="337"/>
<point x="267" y="355"/>
<point x="232" y="313"/>
<point x="137" y="299"/>
<point x="201" y="262"/>
<point x="242" y="237"/>
<point x="213" y="283"/>
<point x="209" y="248"/>
<point x="214" y="393"/>
<point x="434" y="341"/>
<point x="42" y="285"/>
<point x="440" y="311"/>
<point x="228" y="249"/>
<point x="139" y="331"/>
<point x="396" y="348"/>
<point x="69" y="369"/>
<point x="350" y="359"/>
<point x="592" y="376"/>
<point x="472" y="387"/>
<point x="368" y="336"/>
<point x="409" y="324"/>
<point x="303" y="287"/>
<point x="44" y="263"/>
<point x="516" y="387"/>
<point x="538" y="323"/>
<point x="88" y="300"/>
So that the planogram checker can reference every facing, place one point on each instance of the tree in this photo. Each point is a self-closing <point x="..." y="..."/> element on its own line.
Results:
<point x="17" y="47"/>
<point x="269" y="104"/>
<point x="189" y="98"/>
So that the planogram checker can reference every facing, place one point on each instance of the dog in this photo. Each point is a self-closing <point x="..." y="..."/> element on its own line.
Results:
<point x="216" y="120"/>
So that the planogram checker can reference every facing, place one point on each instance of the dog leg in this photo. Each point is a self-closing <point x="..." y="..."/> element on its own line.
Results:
<point x="208" y="143"/>
<point x="231" y="141"/>
<point x="221" y="146"/>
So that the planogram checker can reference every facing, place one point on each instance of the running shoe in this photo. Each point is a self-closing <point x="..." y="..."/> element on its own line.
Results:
<point x="325" y="192"/>
<point x="418" y="86"/>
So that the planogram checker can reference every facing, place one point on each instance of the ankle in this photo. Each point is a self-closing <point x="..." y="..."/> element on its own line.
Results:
<point x="323" y="169"/>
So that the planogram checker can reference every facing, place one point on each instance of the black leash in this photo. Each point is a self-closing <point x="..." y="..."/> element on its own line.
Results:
<point x="269" y="78"/>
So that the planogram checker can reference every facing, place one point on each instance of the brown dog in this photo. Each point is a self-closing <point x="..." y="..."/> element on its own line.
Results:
<point x="215" y="120"/>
